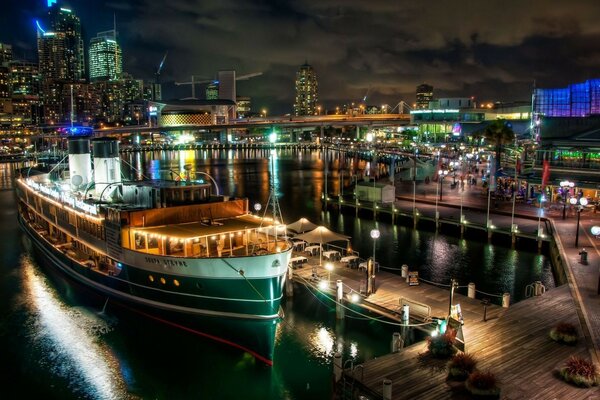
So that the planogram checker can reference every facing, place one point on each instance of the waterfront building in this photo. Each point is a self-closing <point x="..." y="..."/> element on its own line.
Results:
<point x="424" y="96"/>
<point x="306" y="91"/>
<point x="192" y="112"/>
<point x="105" y="57"/>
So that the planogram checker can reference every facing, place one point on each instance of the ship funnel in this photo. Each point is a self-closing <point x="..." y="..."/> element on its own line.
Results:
<point x="107" y="165"/>
<point x="80" y="164"/>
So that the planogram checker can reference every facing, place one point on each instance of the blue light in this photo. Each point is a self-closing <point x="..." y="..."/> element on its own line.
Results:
<point x="37" y="23"/>
<point x="50" y="2"/>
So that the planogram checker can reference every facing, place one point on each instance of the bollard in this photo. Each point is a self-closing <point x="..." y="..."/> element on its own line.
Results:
<point x="405" y="314"/>
<point x="387" y="389"/>
<point x="339" y="308"/>
<point x="396" y="342"/>
<point x="337" y="366"/>
<point x="471" y="293"/>
<point x="505" y="300"/>
<point x="404" y="271"/>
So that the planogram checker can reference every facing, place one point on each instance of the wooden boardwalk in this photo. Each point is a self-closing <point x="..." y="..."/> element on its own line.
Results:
<point x="513" y="343"/>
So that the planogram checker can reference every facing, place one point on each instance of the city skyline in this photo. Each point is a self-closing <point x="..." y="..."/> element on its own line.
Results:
<point x="383" y="49"/>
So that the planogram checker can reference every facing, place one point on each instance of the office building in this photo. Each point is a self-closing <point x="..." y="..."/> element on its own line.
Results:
<point x="306" y="91"/>
<point x="212" y="91"/>
<point x="63" y="21"/>
<point x="105" y="57"/>
<point x="424" y="96"/>
<point x="5" y="53"/>
<point x="244" y="106"/>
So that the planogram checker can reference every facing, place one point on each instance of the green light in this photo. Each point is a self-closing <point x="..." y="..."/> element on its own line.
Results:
<point x="273" y="137"/>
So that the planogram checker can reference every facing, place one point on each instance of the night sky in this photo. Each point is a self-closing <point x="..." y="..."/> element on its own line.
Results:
<point x="493" y="50"/>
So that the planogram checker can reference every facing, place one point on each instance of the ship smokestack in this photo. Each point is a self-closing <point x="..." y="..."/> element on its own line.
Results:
<point x="80" y="164"/>
<point x="107" y="165"/>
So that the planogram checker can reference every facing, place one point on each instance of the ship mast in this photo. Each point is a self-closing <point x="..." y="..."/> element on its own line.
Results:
<point x="276" y="210"/>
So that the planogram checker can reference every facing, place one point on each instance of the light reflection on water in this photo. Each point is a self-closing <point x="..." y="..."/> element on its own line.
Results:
<point x="69" y="340"/>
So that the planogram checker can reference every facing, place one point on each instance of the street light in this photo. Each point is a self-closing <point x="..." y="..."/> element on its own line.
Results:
<point x="582" y="203"/>
<point x="329" y="268"/>
<point x="542" y="199"/>
<point x="374" y="235"/>
<point x="257" y="207"/>
<point x="442" y="174"/>
<point x="564" y="185"/>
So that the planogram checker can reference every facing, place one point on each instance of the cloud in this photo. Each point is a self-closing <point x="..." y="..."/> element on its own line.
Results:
<point x="493" y="48"/>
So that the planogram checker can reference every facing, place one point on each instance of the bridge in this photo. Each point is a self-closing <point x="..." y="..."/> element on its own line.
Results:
<point x="284" y="122"/>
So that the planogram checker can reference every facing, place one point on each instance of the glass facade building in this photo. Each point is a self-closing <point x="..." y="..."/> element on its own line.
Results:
<point x="105" y="57"/>
<point x="576" y="100"/>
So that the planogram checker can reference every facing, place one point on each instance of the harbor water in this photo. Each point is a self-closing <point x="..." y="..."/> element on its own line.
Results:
<point x="58" y="342"/>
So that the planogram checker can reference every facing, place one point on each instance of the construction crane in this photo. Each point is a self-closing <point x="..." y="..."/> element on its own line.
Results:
<point x="160" y="67"/>
<point x="156" y="90"/>
<point x="193" y="82"/>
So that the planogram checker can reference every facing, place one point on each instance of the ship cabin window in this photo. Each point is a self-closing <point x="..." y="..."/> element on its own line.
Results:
<point x="140" y="241"/>
<point x="163" y="280"/>
<point x="151" y="278"/>
<point x="175" y="282"/>
<point x="152" y="242"/>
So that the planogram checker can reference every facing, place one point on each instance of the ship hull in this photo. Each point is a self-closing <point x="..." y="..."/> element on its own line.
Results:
<point x="244" y="315"/>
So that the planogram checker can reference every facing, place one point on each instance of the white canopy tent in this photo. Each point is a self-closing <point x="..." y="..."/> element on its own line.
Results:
<point x="301" y="226"/>
<point x="322" y="235"/>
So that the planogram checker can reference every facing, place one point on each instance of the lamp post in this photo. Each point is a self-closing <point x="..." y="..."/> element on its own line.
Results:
<point x="257" y="207"/>
<point x="582" y="202"/>
<point x="442" y="174"/>
<point x="565" y="185"/>
<point x="329" y="268"/>
<point x="374" y="235"/>
<point x="542" y="199"/>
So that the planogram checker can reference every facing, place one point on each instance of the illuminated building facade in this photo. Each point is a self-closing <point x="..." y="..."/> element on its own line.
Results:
<point x="212" y="91"/>
<point x="576" y="100"/>
<point x="105" y="57"/>
<point x="64" y="21"/>
<point x="244" y="106"/>
<point x="113" y="97"/>
<point x="424" y="96"/>
<point x="306" y="91"/>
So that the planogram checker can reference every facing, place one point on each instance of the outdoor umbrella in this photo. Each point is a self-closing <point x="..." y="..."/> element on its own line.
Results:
<point x="301" y="226"/>
<point x="322" y="235"/>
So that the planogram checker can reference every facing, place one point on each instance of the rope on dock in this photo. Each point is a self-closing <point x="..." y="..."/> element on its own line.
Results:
<point x="433" y="283"/>
<point x="489" y="294"/>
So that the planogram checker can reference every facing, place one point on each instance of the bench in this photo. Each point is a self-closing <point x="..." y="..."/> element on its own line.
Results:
<point x="416" y="309"/>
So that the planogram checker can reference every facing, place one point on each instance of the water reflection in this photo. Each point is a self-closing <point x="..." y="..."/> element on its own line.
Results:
<point x="68" y="340"/>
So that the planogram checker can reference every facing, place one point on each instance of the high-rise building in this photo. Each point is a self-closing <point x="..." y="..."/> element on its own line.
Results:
<point x="25" y="91"/>
<point x="61" y="60"/>
<point x="113" y="98"/>
<point x="5" y="53"/>
<point x="424" y="95"/>
<point x="306" y="91"/>
<point x="63" y="20"/>
<point x="104" y="57"/>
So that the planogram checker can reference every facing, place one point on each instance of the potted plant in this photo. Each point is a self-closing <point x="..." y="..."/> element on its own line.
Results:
<point x="461" y="366"/>
<point x="580" y="372"/>
<point x="441" y="346"/>
<point x="564" y="333"/>
<point x="482" y="383"/>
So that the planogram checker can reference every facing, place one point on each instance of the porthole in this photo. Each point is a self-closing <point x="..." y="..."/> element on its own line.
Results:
<point x="175" y="282"/>
<point x="199" y="286"/>
<point x="151" y="278"/>
<point x="163" y="280"/>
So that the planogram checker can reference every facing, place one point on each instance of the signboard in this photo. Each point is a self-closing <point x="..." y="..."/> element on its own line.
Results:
<point x="413" y="278"/>
<point x="455" y="329"/>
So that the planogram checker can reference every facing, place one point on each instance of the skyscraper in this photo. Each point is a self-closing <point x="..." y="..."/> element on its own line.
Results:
<point x="424" y="95"/>
<point x="61" y="60"/>
<point x="306" y="91"/>
<point x="63" y="20"/>
<point x="5" y="53"/>
<point x="105" y="58"/>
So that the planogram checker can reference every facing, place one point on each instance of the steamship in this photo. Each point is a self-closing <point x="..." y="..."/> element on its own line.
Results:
<point x="177" y="251"/>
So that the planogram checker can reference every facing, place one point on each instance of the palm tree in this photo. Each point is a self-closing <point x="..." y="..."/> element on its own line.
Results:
<point x="498" y="133"/>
